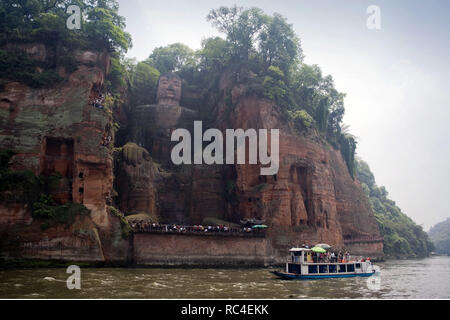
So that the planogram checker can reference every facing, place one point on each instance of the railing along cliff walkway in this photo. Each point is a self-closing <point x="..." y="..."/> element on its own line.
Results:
<point x="364" y="240"/>
<point x="139" y="227"/>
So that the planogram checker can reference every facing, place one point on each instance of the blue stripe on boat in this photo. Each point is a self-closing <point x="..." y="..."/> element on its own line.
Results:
<point x="290" y="276"/>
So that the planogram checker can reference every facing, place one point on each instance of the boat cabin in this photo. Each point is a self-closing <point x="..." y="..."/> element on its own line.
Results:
<point x="302" y="263"/>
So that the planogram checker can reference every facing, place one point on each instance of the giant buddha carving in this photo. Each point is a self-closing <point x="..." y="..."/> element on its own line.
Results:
<point x="149" y="141"/>
<point x="152" y="125"/>
<point x="169" y="90"/>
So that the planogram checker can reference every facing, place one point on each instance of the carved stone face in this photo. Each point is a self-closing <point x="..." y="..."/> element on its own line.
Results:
<point x="169" y="90"/>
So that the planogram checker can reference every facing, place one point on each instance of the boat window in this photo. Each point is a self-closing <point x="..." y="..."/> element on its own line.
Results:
<point x="342" y="268"/>
<point x="312" y="269"/>
<point x="323" y="268"/>
<point x="350" y="268"/>
<point x="332" y="268"/>
<point x="294" y="268"/>
<point x="358" y="266"/>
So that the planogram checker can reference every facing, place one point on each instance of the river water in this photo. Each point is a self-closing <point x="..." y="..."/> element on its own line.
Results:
<point x="399" y="279"/>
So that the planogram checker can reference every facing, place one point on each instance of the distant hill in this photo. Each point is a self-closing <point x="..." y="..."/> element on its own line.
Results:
<point x="402" y="236"/>
<point x="440" y="235"/>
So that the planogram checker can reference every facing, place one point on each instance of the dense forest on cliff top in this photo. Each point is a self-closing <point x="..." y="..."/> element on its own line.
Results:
<point x="261" y="52"/>
<point x="45" y="22"/>
<point x="440" y="235"/>
<point x="402" y="237"/>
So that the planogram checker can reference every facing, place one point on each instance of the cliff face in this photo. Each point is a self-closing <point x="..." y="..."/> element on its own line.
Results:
<point x="312" y="198"/>
<point x="59" y="130"/>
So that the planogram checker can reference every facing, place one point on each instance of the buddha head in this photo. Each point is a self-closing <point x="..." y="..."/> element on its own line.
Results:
<point x="169" y="89"/>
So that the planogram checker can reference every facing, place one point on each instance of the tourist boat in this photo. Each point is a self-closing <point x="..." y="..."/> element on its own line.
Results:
<point x="300" y="268"/>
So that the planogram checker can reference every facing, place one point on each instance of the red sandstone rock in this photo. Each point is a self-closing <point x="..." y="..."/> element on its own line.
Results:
<point x="79" y="242"/>
<point x="312" y="198"/>
<point x="135" y="181"/>
<point x="57" y="130"/>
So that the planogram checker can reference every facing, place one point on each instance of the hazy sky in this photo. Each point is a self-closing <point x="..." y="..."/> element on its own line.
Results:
<point x="397" y="79"/>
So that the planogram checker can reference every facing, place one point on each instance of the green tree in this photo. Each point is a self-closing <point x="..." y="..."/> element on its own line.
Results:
<point x="172" y="58"/>
<point x="116" y="78"/>
<point x="50" y="29"/>
<point x="348" y="149"/>
<point x="16" y="19"/>
<point x="241" y="27"/>
<point x="440" y="235"/>
<point x="45" y="21"/>
<point x="321" y="115"/>
<point x="143" y="84"/>
<point x="279" y="45"/>
<point x="302" y="119"/>
<point x="214" y="55"/>
<point x="313" y="91"/>
<point x="274" y="86"/>
<point x="105" y="27"/>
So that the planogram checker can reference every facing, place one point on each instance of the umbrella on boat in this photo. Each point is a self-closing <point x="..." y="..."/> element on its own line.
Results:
<point x="259" y="226"/>
<point x="323" y="246"/>
<point x="318" y="250"/>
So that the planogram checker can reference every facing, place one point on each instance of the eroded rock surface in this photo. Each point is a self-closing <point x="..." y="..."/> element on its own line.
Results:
<point x="60" y="130"/>
<point x="311" y="199"/>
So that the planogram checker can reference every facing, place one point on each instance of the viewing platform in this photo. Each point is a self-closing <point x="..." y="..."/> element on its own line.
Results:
<point x="199" y="230"/>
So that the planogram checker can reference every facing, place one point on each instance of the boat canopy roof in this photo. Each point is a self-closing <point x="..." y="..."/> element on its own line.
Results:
<point x="298" y="249"/>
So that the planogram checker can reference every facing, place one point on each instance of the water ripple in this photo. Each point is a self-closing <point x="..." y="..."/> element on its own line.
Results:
<point x="411" y="279"/>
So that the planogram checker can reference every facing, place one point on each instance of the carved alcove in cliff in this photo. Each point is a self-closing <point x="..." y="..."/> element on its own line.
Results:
<point x="229" y="176"/>
<point x="58" y="157"/>
<point x="6" y="104"/>
<point x="302" y="206"/>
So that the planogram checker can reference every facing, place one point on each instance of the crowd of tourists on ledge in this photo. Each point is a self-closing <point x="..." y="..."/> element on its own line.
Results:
<point x="145" y="226"/>
<point x="97" y="98"/>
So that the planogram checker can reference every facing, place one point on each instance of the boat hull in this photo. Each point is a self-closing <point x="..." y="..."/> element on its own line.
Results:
<point x="292" y="276"/>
